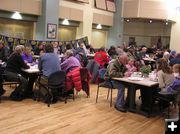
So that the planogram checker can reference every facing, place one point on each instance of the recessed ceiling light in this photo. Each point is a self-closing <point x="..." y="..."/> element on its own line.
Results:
<point x="16" y="16"/>
<point x="127" y="20"/>
<point x="150" y="21"/>
<point x="166" y="23"/>
<point x="65" y="22"/>
<point x="99" y="26"/>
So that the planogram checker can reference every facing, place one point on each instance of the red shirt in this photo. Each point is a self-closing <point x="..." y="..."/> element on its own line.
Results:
<point x="101" y="57"/>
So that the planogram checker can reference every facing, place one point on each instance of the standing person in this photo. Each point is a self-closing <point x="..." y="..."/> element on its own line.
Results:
<point x="4" y="53"/>
<point x="13" y="72"/>
<point x="48" y="64"/>
<point x="117" y="68"/>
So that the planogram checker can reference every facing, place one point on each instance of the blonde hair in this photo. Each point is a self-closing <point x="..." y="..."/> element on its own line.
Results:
<point x="19" y="49"/>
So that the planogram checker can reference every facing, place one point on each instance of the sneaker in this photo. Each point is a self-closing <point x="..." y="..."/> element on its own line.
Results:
<point x="2" y="91"/>
<point x="121" y="109"/>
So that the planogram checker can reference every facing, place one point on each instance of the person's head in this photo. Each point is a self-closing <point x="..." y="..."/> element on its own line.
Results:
<point x="178" y="55"/>
<point x="68" y="47"/>
<point x="81" y="44"/>
<point x="41" y="45"/>
<point x="131" y="62"/>
<point x="1" y="44"/>
<point x="176" y="70"/>
<point x="49" y="48"/>
<point x="101" y="49"/>
<point x="144" y="50"/>
<point x="123" y="58"/>
<point x="68" y="53"/>
<point x="173" y="53"/>
<point x="166" y="55"/>
<point x="55" y="44"/>
<point x="19" y="49"/>
<point x="27" y="50"/>
<point x="162" y="64"/>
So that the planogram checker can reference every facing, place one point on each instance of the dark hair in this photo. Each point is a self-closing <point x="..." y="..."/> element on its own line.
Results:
<point x="49" y="48"/>
<point x="163" y="65"/>
<point x="101" y="49"/>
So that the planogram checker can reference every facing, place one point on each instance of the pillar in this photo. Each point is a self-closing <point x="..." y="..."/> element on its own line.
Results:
<point x="49" y="15"/>
<point x="115" y="33"/>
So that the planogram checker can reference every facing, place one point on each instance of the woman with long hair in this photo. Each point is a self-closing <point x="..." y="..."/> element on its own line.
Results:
<point x="164" y="73"/>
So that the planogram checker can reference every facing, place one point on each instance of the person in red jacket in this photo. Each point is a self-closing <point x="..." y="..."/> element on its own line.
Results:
<point x="101" y="57"/>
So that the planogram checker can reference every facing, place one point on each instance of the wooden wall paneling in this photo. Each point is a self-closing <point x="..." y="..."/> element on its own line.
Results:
<point x="76" y="14"/>
<point x="101" y="4"/>
<point x="97" y="18"/>
<point x="10" y="5"/>
<point x="107" y="20"/>
<point x="153" y="9"/>
<point x="31" y="7"/>
<point x="130" y="8"/>
<point x="64" y="12"/>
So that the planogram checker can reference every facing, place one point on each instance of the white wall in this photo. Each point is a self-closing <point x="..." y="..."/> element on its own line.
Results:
<point x="143" y="32"/>
<point x="99" y="38"/>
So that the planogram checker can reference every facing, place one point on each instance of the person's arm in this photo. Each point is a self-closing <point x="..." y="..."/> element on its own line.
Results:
<point x="22" y="63"/>
<point x="161" y="80"/>
<point x="40" y="63"/>
<point x="113" y="71"/>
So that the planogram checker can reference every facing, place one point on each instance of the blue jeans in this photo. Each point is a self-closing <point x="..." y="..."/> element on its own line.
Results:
<point x="120" y="95"/>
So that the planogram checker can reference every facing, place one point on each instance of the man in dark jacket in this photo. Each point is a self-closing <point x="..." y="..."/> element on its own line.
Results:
<point x="13" y="72"/>
<point x="117" y="68"/>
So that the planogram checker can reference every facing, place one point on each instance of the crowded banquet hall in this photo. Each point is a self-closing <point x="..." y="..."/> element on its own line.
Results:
<point x="89" y="66"/>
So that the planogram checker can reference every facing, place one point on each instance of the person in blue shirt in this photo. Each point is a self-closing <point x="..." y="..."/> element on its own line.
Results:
<point x="48" y="64"/>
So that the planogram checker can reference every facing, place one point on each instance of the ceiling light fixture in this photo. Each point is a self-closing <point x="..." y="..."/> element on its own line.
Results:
<point x="127" y="20"/>
<point x="99" y="26"/>
<point x="150" y="21"/>
<point x="65" y="22"/>
<point x="16" y="16"/>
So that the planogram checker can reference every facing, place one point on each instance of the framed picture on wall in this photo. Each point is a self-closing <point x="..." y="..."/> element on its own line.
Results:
<point x="51" y="31"/>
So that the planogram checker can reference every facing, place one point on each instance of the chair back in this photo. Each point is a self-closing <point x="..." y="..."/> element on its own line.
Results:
<point x="57" y="79"/>
<point x="101" y="74"/>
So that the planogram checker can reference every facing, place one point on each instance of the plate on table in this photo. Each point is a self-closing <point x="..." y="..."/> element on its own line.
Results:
<point x="135" y="78"/>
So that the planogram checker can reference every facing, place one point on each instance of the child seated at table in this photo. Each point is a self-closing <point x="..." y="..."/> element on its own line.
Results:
<point x="130" y="68"/>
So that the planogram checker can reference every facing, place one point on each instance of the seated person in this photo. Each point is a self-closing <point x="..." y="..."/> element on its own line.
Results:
<point x="70" y="62"/>
<point x="175" y="60"/>
<point x="4" y="52"/>
<point x="48" y="64"/>
<point x="117" y="68"/>
<point x="164" y="73"/>
<point x="101" y="57"/>
<point x="39" y="49"/>
<point x="81" y="49"/>
<point x="112" y="52"/>
<point x="27" y="56"/>
<point x="175" y="85"/>
<point x="130" y="68"/>
<point x="13" y="72"/>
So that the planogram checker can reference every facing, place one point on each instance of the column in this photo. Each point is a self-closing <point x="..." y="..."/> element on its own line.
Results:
<point x="49" y="15"/>
<point x="175" y="32"/>
<point x="115" y="34"/>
